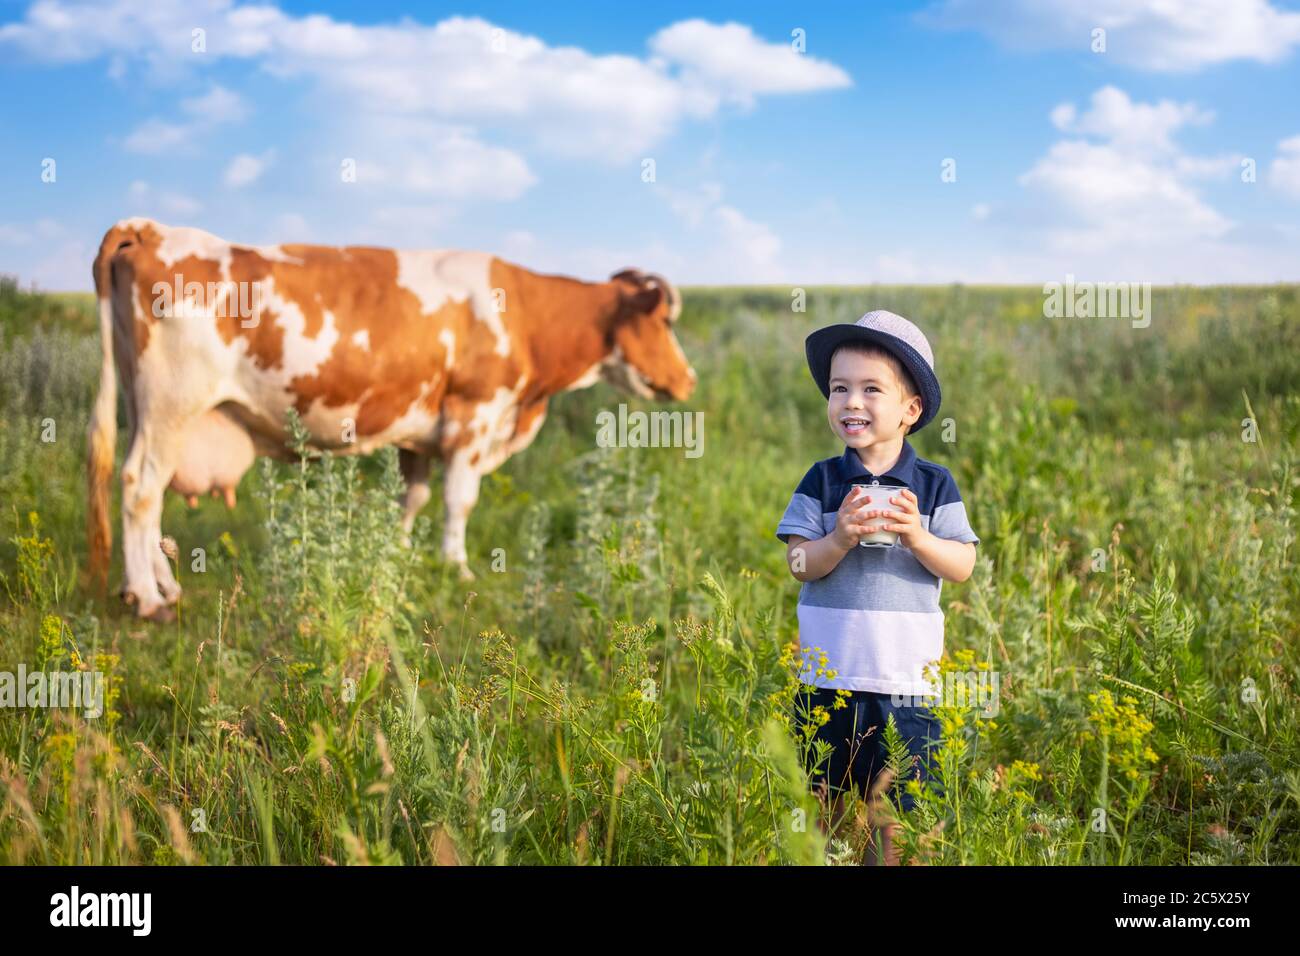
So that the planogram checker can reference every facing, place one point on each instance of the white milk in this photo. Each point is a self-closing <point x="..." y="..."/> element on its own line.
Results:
<point x="877" y="497"/>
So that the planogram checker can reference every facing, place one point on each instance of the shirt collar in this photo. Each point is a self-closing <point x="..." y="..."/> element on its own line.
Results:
<point x="851" y="467"/>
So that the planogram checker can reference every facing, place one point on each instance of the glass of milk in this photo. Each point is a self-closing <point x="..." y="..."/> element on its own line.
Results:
<point x="877" y="498"/>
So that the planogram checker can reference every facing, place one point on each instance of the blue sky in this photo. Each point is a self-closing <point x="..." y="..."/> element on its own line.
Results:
<point x="523" y="129"/>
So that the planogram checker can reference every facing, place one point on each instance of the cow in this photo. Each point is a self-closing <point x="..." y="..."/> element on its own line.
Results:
<point x="446" y="354"/>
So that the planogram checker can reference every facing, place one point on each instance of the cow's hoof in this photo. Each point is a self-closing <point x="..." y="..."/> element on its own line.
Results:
<point x="151" y="609"/>
<point x="465" y="573"/>
<point x="169" y="588"/>
<point x="162" y="614"/>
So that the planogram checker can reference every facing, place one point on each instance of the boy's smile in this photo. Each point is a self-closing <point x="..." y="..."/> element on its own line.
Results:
<point x="866" y="405"/>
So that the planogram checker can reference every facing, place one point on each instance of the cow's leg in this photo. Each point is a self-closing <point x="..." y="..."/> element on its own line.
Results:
<point x="464" y="469"/>
<point x="168" y="586"/>
<point x="142" y="490"/>
<point x="133" y="430"/>
<point x="459" y="494"/>
<point x="415" y="469"/>
<point x="150" y="463"/>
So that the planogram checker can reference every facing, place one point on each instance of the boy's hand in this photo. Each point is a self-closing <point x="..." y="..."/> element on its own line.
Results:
<point x="850" y="521"/>
<point x="906" y="520"/>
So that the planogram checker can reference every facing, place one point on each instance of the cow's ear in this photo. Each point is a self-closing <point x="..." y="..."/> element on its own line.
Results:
<point x="629" y="275"/>
<point x="644" y="301"/>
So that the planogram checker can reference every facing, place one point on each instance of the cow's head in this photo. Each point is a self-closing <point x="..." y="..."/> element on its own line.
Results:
<point x="646" y="359"/>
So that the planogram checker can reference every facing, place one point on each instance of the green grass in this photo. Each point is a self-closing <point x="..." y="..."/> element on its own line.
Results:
<point x="617" y="692"/>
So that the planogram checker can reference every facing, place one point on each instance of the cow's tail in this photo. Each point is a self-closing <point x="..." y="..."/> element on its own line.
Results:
<point x="102" y="432"/>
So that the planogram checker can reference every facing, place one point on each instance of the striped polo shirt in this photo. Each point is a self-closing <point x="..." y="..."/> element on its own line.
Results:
<point x="876" y="615"/>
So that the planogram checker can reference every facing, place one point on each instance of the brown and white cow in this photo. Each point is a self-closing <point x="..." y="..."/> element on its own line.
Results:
<point x="446" y="354"/>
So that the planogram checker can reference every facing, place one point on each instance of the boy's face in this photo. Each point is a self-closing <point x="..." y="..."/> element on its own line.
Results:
<point x="866" y="403"/>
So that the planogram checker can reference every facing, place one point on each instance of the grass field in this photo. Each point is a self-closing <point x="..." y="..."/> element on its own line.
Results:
<point x="615" y="686"/>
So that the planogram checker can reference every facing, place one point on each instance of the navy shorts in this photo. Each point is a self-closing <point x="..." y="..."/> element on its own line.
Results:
<point x="856" y="734"/>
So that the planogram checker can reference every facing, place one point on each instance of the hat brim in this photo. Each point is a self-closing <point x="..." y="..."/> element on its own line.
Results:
<point x="821" y="345"/>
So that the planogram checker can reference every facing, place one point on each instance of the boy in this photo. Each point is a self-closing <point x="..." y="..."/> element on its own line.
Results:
<point x="874" y="611"/>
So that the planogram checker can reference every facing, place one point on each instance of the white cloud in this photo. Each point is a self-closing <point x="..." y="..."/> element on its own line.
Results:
<point x="1129" y="125"/>
<point x="693" y="205"/>
<point x="1132" y="187"/>
<point x="406" y="225"/>
<point x="216" y="107"/>
<point x="719" y="244"/>
<point x="518" y="244"/>
<point x="1114" y="198"/>
<point x="1206" y="167"/>
<point x="62" y="265"/>
<point x="436" y="114"/>
<point x="12" y="235"/>
<point x="57" y="258"/>
<point x="436" y="160"/>
<point x="59" y="32"/>
<point x="740" y="249"/>
<point x="290" y="227"/>
<point x="156" y="136"/>
<point x="462" y="70"/>
<point x="1284" y="171"/>
<point x="246" y="168"/>
<point x="729" y="60"/>
<point x="1110" y="204"/>
<point x="754" y="243"/>
<point x="146" y="200"/>
<point x="1157" y="35"/>
<point x="40" y="230"/>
